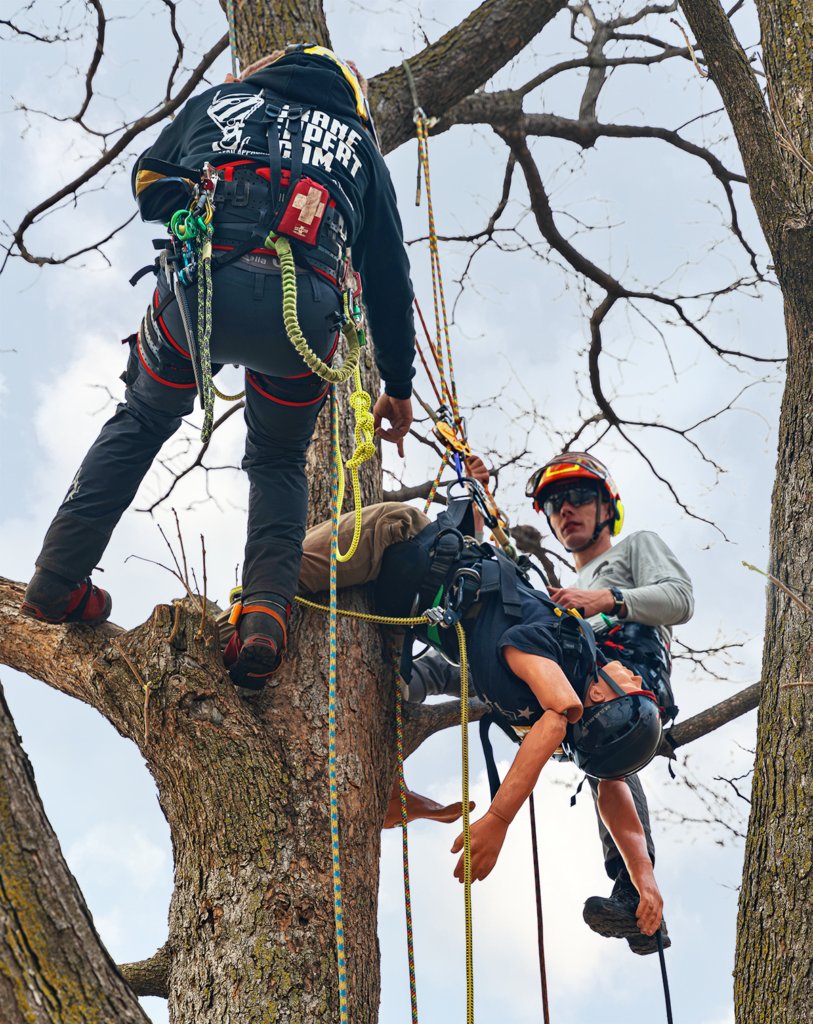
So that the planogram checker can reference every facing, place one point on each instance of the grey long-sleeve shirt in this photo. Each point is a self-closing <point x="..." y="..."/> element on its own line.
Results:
<point x="657" y="589"/>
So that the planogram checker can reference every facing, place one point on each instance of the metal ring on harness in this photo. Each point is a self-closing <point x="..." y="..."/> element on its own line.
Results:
<point x="458" y="585"/>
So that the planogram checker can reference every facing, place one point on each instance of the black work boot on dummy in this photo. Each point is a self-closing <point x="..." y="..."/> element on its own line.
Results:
<point x="54" y="599"/>
<point x="256" y="650"/>
<point x="614" y="917"/>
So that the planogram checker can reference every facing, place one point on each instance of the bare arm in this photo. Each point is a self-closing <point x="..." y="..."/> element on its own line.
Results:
<point x="617" y="810"/>
<point x="551" y="688"/>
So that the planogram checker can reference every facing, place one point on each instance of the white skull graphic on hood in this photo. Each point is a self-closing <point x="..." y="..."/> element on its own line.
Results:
<point x="230" y="114"/>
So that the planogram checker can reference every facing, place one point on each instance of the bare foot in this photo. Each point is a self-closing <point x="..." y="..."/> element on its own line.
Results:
<point x="420" y="807"/>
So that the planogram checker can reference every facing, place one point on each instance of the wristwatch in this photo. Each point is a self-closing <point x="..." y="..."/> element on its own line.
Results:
<point x="618" y="597"/>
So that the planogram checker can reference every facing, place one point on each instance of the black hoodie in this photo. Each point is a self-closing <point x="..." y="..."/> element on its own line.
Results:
<point x="226" y="124"/>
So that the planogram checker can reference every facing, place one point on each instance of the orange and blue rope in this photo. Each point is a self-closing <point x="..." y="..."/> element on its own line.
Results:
<point x="437" y="279"/>
<point x="334" y="796"/>
<point x="232" y="36"/>
<point x="435" y="482"/>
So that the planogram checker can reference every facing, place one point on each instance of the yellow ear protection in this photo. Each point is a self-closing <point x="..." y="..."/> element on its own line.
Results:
<point x="618" y="522"/>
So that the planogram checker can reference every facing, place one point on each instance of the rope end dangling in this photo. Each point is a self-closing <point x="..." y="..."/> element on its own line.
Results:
<point x="464" y="727"/>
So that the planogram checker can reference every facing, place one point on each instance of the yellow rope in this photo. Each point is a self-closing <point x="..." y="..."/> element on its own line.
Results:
<point x="227" y="398"/>
<point x="365" y="449"/>
<point x="381" y="620"/>
<point x="282" y="247"/>
<point x="464" y="727"/>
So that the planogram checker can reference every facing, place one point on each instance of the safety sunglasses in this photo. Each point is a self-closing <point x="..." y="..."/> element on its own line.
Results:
<point x="577" y="458"/>
<point x="575" y="496"/>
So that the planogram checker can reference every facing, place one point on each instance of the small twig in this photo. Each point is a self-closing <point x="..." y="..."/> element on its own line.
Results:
<point x="180" y="539"/>
<point x="430" y="412"/>
<point x="203" y="609"/>
<point x="691" y="51"/>
<point x="177" y="575"/>
<point x="144" y="686"/>
<point x="779" y="584"/>
<point x="176" y="623"/>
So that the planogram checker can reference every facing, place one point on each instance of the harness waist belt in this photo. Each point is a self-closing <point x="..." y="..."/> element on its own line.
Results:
<point x="240" y="205"/>
<point x="263" y="263"/>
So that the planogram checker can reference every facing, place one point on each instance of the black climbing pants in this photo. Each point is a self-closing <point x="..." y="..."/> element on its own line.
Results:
<point x="280" y="414"/>
<point x="613" y="861"/>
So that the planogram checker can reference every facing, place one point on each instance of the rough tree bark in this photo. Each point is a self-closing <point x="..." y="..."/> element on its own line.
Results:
<point x="774" y="964"/>
<point x="53" y="966"/>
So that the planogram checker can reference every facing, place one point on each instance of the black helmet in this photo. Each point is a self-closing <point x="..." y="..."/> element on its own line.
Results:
<point x="617" y="738"/>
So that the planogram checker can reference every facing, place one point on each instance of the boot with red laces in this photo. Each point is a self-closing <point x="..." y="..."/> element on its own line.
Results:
<point x="256" y="650"/>
<point x="54" y="599"/>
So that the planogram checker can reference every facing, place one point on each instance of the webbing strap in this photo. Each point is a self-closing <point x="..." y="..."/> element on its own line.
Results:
<point x="274" y="158"/>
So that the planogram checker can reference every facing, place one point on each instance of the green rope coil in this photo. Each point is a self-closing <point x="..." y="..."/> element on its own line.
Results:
<point x="282" y="247"/>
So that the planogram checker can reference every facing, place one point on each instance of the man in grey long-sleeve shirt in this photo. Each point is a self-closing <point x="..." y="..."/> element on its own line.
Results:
<point x="631" y="594"/>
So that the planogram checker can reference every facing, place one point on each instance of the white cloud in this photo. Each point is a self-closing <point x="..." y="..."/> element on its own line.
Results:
<point x="112" y="852"/>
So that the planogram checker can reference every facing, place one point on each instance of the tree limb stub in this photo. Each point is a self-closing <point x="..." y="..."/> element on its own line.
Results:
<point x="710" y="719"/>
<point x="423" y="720"/>
<point x="150" y="977"/>
<point x="458" y="63"/>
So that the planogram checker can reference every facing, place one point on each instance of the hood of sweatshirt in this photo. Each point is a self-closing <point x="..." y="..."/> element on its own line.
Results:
<point x="309" y="80"/>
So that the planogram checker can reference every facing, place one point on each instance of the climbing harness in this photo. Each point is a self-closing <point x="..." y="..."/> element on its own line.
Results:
<point x="194" y="226"/>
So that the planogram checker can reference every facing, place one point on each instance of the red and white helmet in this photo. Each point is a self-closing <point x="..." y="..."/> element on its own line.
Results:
<point x="579" y="467"/>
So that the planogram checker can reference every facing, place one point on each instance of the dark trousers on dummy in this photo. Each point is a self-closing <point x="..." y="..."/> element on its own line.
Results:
<point x="280" y="417"/>
<point x="613" y="861"/>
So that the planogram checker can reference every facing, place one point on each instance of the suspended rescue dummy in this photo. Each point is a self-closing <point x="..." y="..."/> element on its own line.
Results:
<point x="285" y="157"/>
<point x="529" y="660"/>
<point x="632" y="593"/>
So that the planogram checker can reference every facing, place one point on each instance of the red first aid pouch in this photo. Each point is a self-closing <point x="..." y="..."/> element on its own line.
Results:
<point x="304" y="212"/>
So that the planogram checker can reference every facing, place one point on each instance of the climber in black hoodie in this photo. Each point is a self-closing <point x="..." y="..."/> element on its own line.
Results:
<point x="298" y="119"/>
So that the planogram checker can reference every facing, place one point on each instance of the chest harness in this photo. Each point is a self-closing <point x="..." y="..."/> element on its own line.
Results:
<point x="444" y="570"/>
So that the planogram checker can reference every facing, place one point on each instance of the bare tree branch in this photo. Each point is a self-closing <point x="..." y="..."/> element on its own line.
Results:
<point x="177" y="477"/>
<point x="95" y="60"/>
<point x="108" y="156"/>
<point x="707" y="721"/>
<point x="423" y="720"/>
<point x="461" y="61"/>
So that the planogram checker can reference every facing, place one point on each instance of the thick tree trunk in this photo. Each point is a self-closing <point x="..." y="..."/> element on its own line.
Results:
<point x="53" y="966"/>
<point x="244" y="787"/>
<point x="774" y="973"/>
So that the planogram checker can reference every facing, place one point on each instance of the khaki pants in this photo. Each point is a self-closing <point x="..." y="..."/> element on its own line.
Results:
<point x="381" y="525"/>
